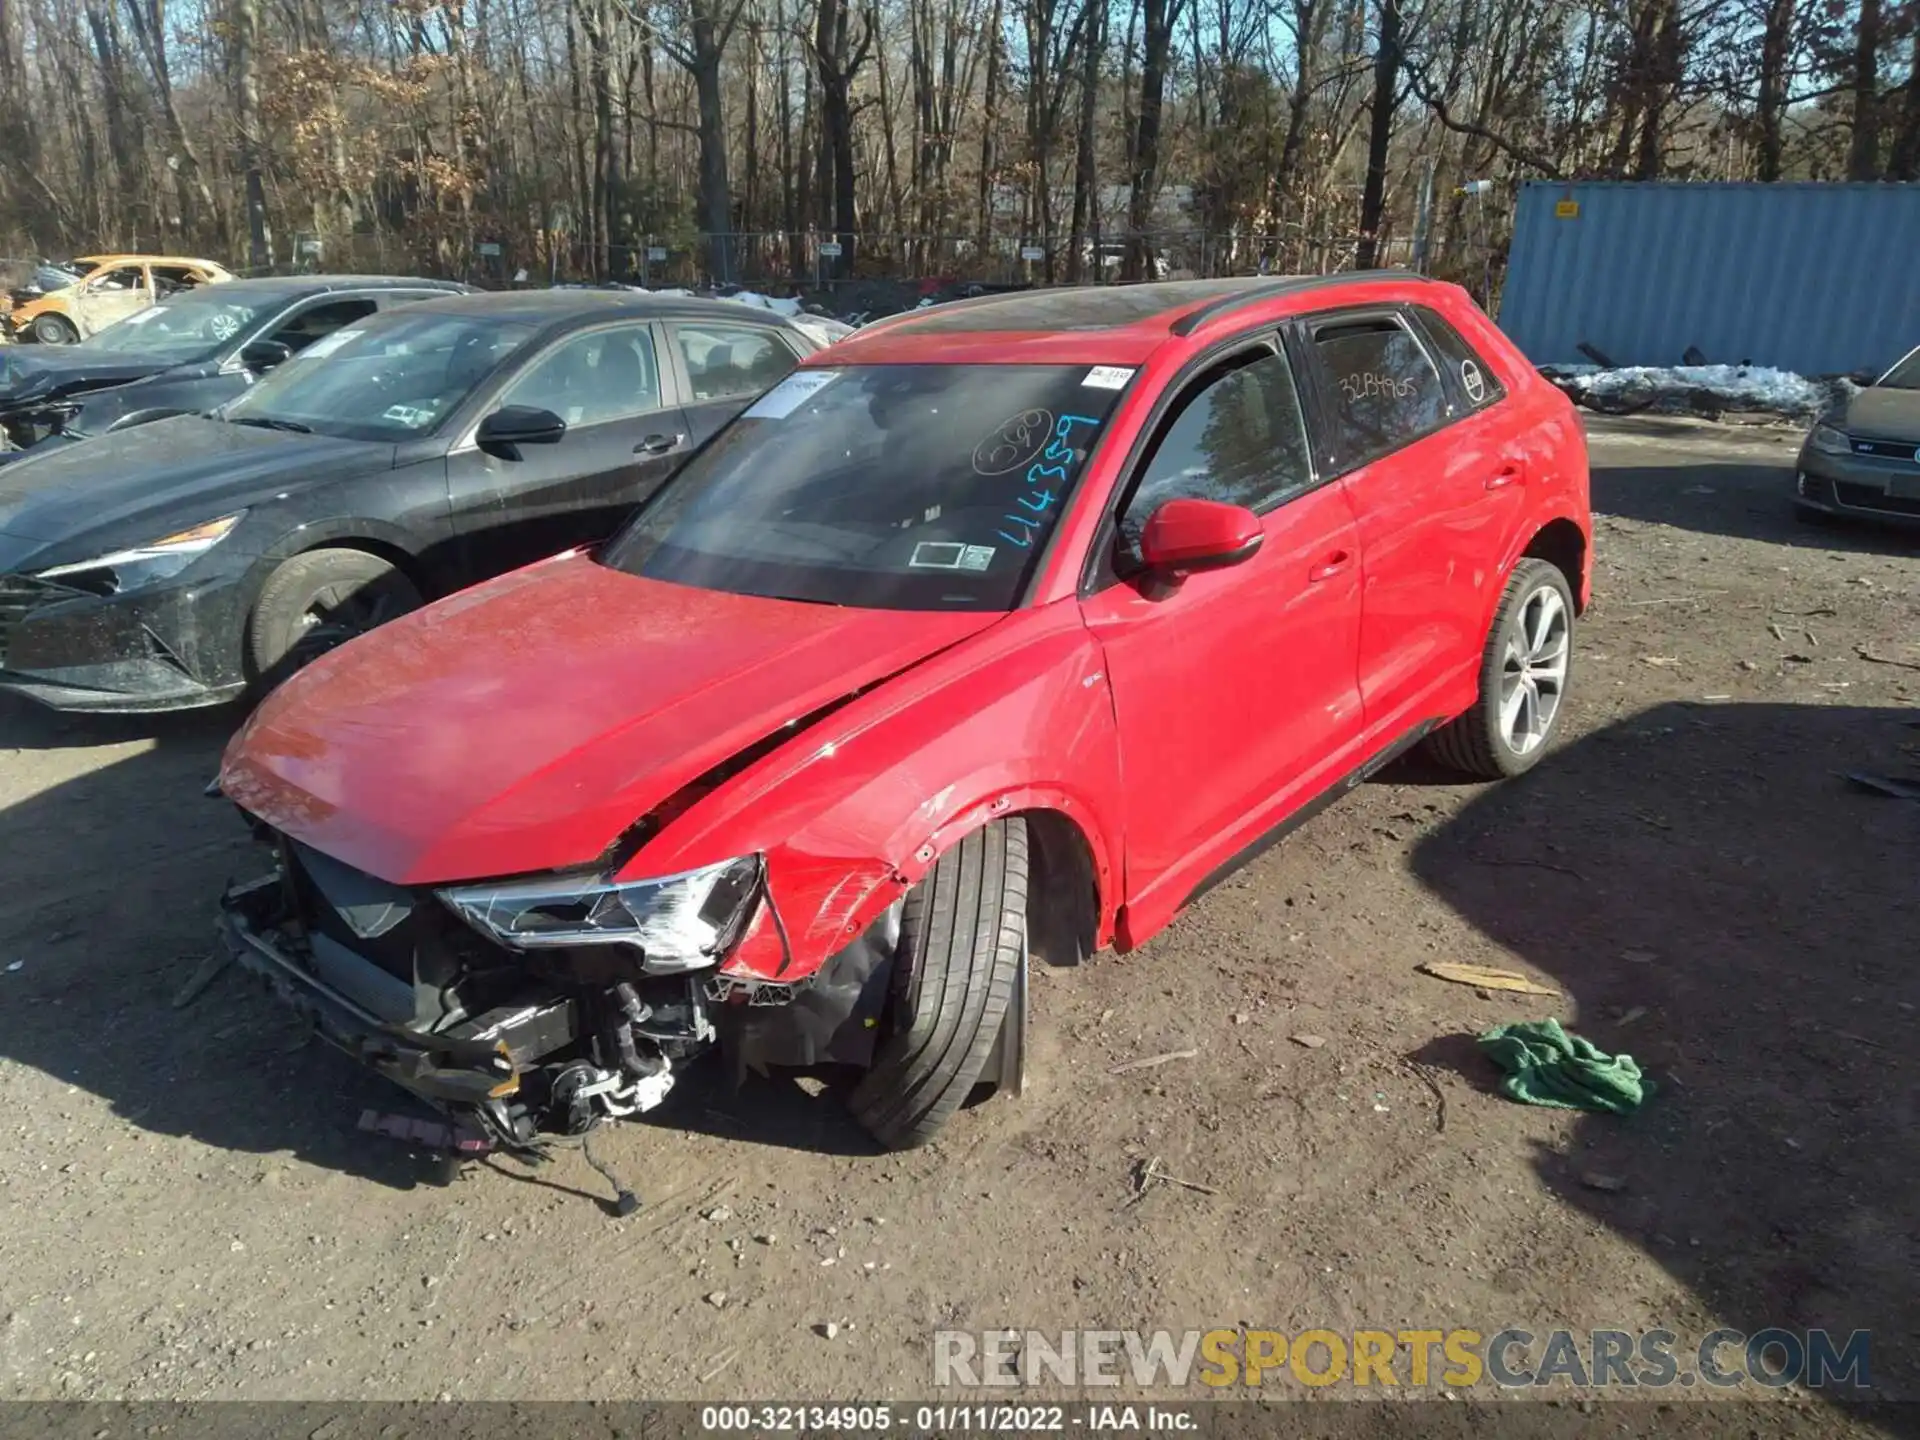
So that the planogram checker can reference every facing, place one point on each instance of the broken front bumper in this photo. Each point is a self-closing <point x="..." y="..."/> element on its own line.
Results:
<point x="464" y="1068"/>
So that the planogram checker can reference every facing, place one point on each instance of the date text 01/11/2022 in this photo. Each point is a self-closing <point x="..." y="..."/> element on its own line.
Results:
<point x="943" y="1419"/>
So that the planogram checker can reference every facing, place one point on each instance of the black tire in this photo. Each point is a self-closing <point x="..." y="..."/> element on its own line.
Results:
<point x="963" y="935"/>
<point x="318" y="600"/>
<point x="1475" y="743"/>
<point x="55" y="330"/>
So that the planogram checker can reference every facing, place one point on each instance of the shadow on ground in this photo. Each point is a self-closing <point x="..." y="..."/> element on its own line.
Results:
<point x="1743" y="922"/>
<point x="1746" y="499"/>
<point x="107" y="898"/>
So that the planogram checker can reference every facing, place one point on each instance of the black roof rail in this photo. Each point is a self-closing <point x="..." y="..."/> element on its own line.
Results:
<point x="1279" y="285"/>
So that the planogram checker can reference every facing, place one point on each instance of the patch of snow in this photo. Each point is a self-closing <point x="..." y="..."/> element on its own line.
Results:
<point x="1734" y="387"/>
<point x="821" y="329"/>
<point x="788" y="308"/>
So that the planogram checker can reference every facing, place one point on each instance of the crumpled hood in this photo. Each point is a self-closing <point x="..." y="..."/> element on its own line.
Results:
<point x="525" y="724"/>
<point x="1884" y="413"/>
<point x="58" y="492"/>
<point x="35" y="374"/>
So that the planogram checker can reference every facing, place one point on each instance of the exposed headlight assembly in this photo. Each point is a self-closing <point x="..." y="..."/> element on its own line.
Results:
<point x="139" y="564"/>
<point x="679" y="923"/>
<point x="1830" y="440"/>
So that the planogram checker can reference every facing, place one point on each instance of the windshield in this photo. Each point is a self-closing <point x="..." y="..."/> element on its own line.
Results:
<point x="392" y="378"/>
<point x="52" y="277"/>
<point x="894" y="487"/>
<point x="1905" y="375"/>
<point x="185" y="328"/>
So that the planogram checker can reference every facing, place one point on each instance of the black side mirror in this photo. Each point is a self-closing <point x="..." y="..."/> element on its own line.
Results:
<point x="263" y="355"/>
<point x="508" y="428"/>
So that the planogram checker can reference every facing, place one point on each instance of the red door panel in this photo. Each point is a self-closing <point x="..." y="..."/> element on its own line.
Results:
<point x="1235" y="696"/>
<point x="1434" y="520"/>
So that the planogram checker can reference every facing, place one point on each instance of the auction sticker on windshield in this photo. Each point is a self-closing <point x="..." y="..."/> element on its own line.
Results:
<point x="327" y="344"/>
<point x="949" y="555"/>
<point x="790" y="394"/>
<point x="1108" y="377"/>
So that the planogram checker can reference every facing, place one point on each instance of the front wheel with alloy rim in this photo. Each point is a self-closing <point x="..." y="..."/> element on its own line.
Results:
<point x="956" y="979"/>
<point x="55" y="330"/>
<point x="318" y="600"/>
<point x="1525" y="668"/>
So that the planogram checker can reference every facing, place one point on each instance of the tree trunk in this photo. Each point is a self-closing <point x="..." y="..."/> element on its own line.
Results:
<point x="1309" y="29"/>
<point x="1666" y="61"/>
<point x="123" y="144"/>
<point x="1863" y="155"/>
<point x="1905" y="162"/>
<point x="1159" y="17"/>
<point x="1776" y="41"/>
<point x="896" y="200"/>
<point x="1386" y="92"/>
<point x="837" y="59"/>
<point x="750" y="189"/>
<point x="716" y="202"/>
<point x="990" y="122"/>
<point x="246" y="37"/>
<point x="1086" y="177"/>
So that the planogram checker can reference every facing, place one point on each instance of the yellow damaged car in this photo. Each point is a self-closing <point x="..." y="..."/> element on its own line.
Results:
<point x="109" y="288"/>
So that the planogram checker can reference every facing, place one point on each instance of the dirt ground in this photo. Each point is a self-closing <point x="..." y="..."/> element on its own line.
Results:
<point x="187" y="1211"/>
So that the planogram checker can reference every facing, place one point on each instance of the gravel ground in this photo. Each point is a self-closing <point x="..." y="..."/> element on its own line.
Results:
<point x="187" y="1212"/>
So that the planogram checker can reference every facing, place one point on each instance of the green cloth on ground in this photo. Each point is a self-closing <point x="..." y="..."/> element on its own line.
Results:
<point x="1546" y="1066"/>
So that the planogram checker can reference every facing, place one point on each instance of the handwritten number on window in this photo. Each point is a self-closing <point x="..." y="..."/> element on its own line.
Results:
<point x="1039" y="499"/>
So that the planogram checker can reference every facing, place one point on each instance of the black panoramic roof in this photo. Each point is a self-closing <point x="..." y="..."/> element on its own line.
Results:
<point x="1182" y="304"/>
<point x="1082" y="307"/>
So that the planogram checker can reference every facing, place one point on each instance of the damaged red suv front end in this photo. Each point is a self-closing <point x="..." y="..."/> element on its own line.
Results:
<point x="584" y="715"/>
<point x="540" y="844"/>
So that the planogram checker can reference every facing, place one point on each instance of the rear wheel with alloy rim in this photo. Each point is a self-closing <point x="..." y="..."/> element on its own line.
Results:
<point x="318" y="600"/>
<point x="1525" y="668"/>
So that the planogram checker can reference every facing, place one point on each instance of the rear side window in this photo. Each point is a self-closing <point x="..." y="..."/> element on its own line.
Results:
<point x="1382" y="390"/>
<point x="1478" y="385"/>
<point x="724" y="361"/>
<point x="1237" y="437"/>
<point x="316" y="322"/>
<point x="168" y="279"/>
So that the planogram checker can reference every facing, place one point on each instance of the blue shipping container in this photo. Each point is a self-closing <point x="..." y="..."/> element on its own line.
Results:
<point x="1819" y="279"/>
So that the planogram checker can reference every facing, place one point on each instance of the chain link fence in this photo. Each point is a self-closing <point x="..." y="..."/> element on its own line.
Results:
<point x="824" y="262"/>
<point x="867" y="273"/>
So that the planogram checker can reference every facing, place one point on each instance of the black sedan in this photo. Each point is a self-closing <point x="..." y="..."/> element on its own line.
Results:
<point x="194" y="350"/>
<point x="179" y="562"/>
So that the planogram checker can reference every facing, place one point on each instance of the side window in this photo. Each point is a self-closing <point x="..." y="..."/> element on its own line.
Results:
<point x="1476" y="379"/>
<point x="594" y="378"/>
<point x="171" y="279"/>
<point x="317" y="321"/>
<point x="1236" y="436"/>
<point x="122" y="281"/>
<point x="1383" y="389"/>
<point x="728" y="360"/>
